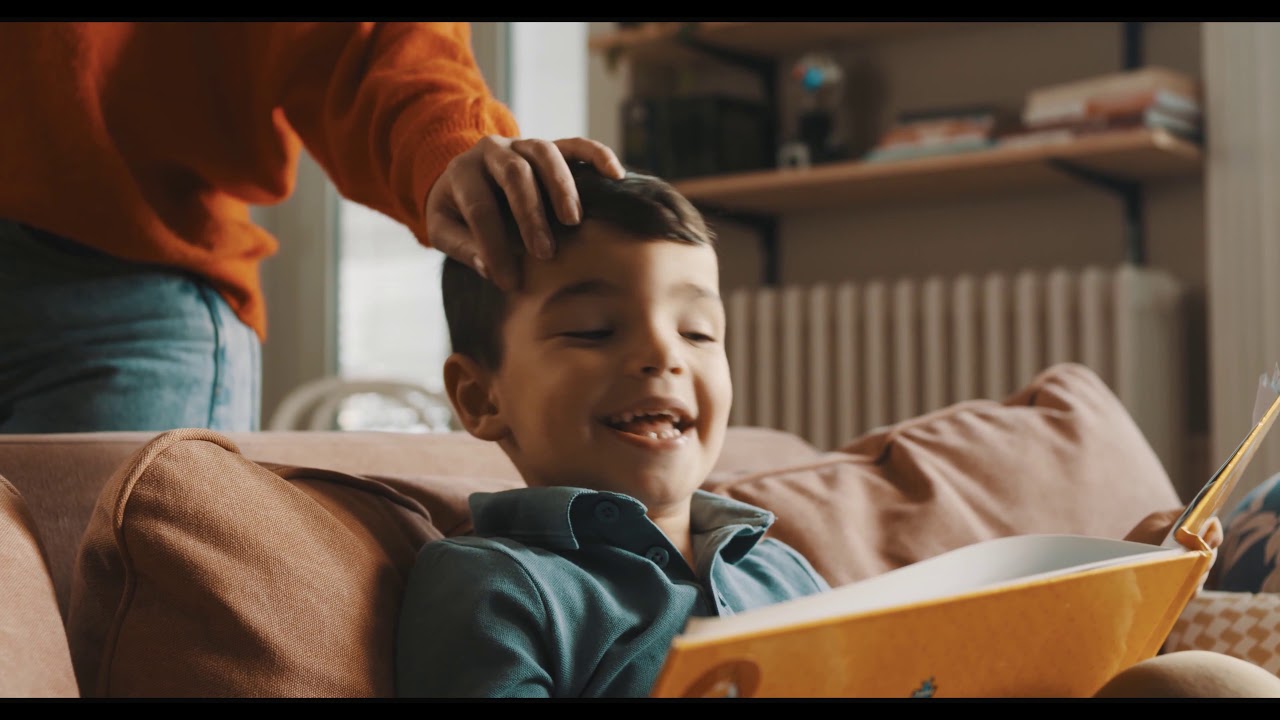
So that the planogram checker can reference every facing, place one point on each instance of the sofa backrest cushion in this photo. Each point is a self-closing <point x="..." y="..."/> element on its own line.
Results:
<point x="35" y="660"/>
<point x="204" y="574"/>
<point x="1062" y="455"/>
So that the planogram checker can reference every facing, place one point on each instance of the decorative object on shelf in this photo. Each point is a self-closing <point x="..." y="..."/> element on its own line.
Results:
<point x="695" y="136"/>
<point x="821" y="80"/>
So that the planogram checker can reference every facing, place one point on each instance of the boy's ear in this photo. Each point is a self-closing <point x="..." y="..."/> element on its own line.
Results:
<point x="469" y="388"/>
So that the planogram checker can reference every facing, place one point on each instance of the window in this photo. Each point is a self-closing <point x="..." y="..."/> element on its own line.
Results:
<point x="390" y="319"/>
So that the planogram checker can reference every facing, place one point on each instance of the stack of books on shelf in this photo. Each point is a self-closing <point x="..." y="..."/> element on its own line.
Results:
<point x="1152" y="97"/>
<point x="940" y="131"/>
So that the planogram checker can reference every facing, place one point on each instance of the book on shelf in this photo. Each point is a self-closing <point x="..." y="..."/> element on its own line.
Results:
<point x="1017" y="616"/>
<point x="906" y="151"/>
<point x="937" y="131"/>
<point x="1067" y="131"/>
<point x="1116" y="84"/>
<point x="1162" y="100"/>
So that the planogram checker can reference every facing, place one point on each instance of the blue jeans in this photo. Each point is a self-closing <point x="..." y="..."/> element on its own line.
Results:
<point x="89" y="342"/>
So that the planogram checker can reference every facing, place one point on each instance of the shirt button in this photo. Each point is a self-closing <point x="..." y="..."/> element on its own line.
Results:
<point x="607" y="511"/>
<point x="658" y="556"/>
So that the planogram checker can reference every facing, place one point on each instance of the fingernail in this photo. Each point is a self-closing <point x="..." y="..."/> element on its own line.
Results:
<point x="481" y="268"/>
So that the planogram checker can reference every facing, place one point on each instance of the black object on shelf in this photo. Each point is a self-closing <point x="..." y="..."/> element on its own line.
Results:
<point x="694" y="136"/>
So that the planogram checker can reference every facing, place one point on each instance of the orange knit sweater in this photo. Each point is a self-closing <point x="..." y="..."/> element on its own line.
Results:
<point x="150" y="140"/>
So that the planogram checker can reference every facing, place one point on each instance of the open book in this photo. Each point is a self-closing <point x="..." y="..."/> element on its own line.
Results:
<point x="1019" y="616"/>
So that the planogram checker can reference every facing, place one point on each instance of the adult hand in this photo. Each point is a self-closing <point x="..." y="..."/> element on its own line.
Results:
<point x="462" y="208"/>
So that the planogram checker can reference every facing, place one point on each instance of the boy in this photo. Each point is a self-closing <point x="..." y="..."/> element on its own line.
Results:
<point x="604" y="379"/>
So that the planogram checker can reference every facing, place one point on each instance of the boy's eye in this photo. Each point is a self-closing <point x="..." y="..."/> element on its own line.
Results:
<point x="599" y="334"/>
<point x="698" y="337"/>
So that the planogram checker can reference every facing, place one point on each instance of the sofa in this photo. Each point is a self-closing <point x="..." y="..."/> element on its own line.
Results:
<point x="193" y="563"/>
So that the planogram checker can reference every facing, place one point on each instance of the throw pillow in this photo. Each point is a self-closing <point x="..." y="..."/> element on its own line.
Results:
<point x="1062" y="455"/>
<point x="203" y="574"/>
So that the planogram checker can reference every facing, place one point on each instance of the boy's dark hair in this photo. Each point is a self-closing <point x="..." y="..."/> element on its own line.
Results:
<point x="640" y="205"/>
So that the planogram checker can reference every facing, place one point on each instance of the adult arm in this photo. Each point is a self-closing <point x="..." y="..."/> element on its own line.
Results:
<point x="402" y="120"/>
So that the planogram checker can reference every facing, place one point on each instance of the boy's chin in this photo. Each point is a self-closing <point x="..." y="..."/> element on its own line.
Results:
<point x="659" y="490"/>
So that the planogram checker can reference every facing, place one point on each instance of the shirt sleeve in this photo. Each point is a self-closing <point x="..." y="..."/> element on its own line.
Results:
<point x="472" y="625"/>
<point x="382" y="106"/>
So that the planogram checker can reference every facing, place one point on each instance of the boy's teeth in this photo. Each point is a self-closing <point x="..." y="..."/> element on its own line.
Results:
<point x="665" y="434"/>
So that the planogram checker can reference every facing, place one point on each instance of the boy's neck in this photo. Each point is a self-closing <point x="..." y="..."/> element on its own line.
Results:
<point x="674" y="523"/>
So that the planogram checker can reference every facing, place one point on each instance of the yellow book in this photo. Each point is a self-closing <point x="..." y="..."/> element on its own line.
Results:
<point x="1019" y="616"/>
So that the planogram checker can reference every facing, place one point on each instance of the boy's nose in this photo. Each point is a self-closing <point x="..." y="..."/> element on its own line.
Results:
<point x="657" y="370"/>
<point x="657" y="356"/>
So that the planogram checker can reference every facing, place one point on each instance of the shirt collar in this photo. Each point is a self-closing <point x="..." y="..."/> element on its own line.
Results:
<point x="557" y="518"/>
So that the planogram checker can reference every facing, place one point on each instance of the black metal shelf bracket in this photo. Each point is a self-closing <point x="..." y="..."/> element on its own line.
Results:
<point x="1130" y="194"/>
<point x="766" y="71"/>
<point x="1132" y="45"/>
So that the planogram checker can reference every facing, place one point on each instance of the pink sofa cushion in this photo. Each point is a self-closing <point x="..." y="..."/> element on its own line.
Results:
<point x="1062" y="455"/>
<point x="35" y="661"/>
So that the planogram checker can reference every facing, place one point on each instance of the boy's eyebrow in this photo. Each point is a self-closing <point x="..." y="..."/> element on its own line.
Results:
<point x="586" y="287"/>
<point x="603" y="287"/>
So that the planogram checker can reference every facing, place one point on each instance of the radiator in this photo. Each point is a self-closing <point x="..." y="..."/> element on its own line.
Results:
<point x="829" y="362"/>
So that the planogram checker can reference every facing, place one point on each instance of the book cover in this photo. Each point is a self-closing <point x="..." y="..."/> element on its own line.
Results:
<point x="1018" y="616"/>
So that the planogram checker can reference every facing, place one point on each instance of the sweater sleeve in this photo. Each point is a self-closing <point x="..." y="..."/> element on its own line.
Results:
<point x="383" y="106"/>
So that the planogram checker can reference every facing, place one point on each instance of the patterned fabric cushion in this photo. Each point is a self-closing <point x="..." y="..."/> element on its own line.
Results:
<point x="1251" y="543"/>
<point x="1241" y="624"/>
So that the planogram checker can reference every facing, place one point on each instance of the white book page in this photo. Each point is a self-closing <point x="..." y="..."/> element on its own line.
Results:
<point x="980" y="566"/>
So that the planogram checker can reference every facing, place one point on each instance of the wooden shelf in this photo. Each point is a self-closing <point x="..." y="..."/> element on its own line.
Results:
<point x="658" y="42"/>
<point x="1140" y="155"/>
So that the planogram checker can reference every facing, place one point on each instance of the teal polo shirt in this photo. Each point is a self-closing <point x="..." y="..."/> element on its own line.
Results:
<point x="566" y="592"/>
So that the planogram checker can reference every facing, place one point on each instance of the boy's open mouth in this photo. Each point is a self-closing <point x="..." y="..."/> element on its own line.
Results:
<point x="667" y="424"/>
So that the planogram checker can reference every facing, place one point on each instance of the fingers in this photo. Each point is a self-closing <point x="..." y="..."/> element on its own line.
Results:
<point x="1212" y="532"/>
<point x="598" y="154"/>
<point x="465" y="223"/>
<point x="492" y="260"/>
<point x="552" y="170"/>
<point x="514" y="174"/>
<point x="462" y="213"/>
<point x="1153" y="528"/>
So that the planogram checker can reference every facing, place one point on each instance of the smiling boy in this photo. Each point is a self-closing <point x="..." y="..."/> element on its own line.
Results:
<point x="605" y="380"/>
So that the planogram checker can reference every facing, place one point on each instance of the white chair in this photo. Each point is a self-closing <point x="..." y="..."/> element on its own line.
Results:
<point x="335" y="403"/>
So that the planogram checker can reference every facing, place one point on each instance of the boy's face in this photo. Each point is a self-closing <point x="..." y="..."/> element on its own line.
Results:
<point x="613" y="373"/>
